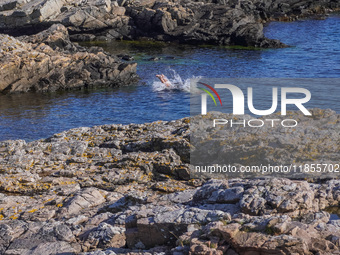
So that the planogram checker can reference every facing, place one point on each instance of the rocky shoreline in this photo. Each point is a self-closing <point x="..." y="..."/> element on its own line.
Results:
<point x="128" y="189"/>
<point x="232" y="22"/>
<point x="43" y="58"/>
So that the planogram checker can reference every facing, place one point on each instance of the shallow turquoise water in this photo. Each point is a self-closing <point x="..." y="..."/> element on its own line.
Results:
<point x="315" y="54"/>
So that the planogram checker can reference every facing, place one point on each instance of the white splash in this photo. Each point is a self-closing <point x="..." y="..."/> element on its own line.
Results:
<point x="177" y="83"/>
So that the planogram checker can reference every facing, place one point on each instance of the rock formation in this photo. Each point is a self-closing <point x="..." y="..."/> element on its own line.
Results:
<point x="232" y="22"/>
<point x="48" y="61"/>
<point x="127" y="189"/>
<point x="44" y="59"/>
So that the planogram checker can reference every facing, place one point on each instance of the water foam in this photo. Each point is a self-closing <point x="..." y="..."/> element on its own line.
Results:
<point x="177" y="83"/>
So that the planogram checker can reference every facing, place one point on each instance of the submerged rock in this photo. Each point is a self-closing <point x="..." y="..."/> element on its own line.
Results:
<point x="48" y="61"/>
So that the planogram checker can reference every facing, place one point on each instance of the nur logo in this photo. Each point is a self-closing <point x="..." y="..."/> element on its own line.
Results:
<point x="238" y="99"/>
<point x="206" y="91"/>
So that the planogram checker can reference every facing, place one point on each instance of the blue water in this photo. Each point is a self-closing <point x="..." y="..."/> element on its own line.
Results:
<point x="315" y="54"/>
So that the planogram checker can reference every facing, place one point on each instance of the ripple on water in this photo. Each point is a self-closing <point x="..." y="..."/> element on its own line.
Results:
<point x="315" y="53"/>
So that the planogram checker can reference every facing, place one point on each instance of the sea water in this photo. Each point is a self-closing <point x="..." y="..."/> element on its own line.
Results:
<point x="315" y="53"/>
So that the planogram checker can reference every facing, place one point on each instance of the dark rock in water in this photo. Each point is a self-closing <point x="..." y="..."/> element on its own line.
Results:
<point x="49" y="61"/>
<point x="170" y="57"/>
<point x="234" y="22"/>
<point x="155" y="58"/>
<point x="245" y="35"/>
<point x="125" y="57"/>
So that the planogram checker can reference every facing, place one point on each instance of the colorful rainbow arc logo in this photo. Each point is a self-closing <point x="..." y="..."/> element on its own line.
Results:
<point x="209" y="93"/>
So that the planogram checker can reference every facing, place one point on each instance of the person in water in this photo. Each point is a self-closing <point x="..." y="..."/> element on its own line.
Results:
<point x="163" y="79"/>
